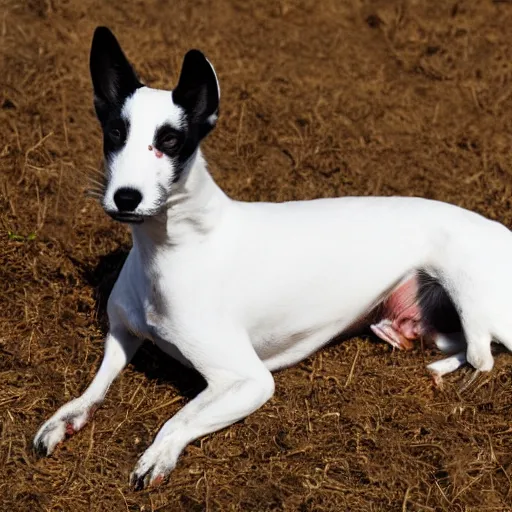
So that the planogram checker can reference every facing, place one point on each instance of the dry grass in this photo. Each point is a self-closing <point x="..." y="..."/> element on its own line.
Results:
<point x="318" y="99"/>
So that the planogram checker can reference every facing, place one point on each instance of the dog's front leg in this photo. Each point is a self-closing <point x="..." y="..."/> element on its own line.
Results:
<point x="232" y="394"/>
<point x="120" y="346"/>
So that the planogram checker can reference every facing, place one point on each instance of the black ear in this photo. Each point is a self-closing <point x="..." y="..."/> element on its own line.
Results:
<point x="198" y="91"/>
<point x="113" y="77"/>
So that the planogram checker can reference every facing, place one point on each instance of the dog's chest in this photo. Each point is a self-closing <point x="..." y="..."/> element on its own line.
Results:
<point x="155" y="308"/>
<point x="165" y="292"/>
<point x="148" y="316"/>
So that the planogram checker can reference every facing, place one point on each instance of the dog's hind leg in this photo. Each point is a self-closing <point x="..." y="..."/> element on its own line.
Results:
<point x="475" y="315"/>
<point x="445" y="366"/>
<point x="478" y="352"/>
<point x="450" y="343"/>
<point x="120" y="346"/>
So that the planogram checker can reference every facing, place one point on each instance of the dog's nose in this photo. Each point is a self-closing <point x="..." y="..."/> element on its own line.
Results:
<point x="127" y="199"/>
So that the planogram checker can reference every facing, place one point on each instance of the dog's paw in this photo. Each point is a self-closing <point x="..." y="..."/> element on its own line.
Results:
<point x="68" y="420"/>
<point x="480" y="357"/>
<point x="153" y="468"/>
<point x="437" y="380"/>
<point x="49" y="436"/>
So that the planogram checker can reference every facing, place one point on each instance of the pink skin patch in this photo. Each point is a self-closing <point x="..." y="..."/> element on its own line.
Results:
<point x="69" y="429"/>
<point x="401" y="322"/>
<point x="437" y="380"/>
<point x="157" y="481"/>
<point x="158" y="154"/>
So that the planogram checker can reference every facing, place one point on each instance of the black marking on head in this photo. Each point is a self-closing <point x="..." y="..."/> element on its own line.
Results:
<point x="179" y="145"/>
<point x="113" y="77"/>
<point x="115" y="133"/>
<point x="114" y="81"/>
<point x="197" y="93"/>
<point x="437" y="308"/>
<point x="169" y="140"/>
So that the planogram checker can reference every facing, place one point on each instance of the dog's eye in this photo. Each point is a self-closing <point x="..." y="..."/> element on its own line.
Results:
<point x="170" y="141"/>
<point x="115" y="134"/>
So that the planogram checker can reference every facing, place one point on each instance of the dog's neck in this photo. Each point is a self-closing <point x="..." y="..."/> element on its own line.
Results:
<point x="192" y="211"/>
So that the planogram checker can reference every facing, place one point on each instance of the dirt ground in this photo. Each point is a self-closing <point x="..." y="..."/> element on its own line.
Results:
<point x="319" y="99"/>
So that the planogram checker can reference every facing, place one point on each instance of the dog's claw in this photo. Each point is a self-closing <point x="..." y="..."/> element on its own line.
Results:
<point x="152" y="468"/>
<point x="142" y="481"/>
<point x="40" y="449"/>
<point x="138" y="482"/>
<point x="49" y="437"/>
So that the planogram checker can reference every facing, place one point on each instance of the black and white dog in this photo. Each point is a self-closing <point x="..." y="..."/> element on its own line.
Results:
<point x="239" y="290"/>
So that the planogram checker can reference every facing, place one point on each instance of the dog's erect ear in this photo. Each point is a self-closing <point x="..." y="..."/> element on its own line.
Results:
<point x="113" y="77"/>
<point x="198" y="90"/>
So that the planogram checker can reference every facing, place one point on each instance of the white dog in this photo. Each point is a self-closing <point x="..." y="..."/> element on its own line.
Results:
<point x="239" y="290"/>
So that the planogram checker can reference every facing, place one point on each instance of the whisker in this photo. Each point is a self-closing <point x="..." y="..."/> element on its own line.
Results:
<point x="94" y="193"/>
<point x="91" y="176"/>
<point x="95" y="170"/>
<point x="96" y="188"/>
<point x="95" y="176"/>
<point x="96" y="182"/>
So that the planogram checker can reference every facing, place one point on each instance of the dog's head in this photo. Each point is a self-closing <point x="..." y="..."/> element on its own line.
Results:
<point x="149" y="135"/>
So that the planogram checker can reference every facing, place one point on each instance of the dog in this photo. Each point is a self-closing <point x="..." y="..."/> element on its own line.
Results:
<point x="238" y="290"/>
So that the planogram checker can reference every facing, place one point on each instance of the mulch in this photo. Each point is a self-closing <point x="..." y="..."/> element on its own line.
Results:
<point x="318" y="99"/>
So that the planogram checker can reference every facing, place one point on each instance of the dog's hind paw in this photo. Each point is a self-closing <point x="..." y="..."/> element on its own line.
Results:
<point x="480" y="357"/>
<point x="437" y="380"/>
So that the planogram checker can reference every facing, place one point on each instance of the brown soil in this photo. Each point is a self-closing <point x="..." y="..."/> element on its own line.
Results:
<point x="318" y="99"/>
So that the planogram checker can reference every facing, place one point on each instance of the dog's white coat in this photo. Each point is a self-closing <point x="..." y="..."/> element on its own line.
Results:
<point x="239" y="290"/>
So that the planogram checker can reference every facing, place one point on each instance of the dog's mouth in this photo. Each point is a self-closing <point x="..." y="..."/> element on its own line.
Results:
<point x="127" y="217"/>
